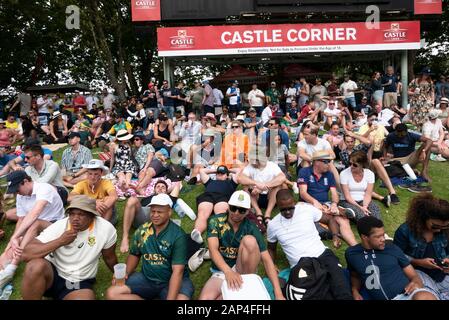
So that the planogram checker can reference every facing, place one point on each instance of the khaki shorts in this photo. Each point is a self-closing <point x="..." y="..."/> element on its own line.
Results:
<point x="412" y="159"/>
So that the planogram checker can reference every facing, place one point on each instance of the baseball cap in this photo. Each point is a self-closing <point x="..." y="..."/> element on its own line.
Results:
<point x="222" y="169"/>
<point x="161" y="199"/>
<point x="14" y="179"/>
<point x="251" y="110"/>
<point x="84" y="203"/>
<point x="240" y="199"/>
<point x="401" y="127"/>
<point x="74" y="134"/>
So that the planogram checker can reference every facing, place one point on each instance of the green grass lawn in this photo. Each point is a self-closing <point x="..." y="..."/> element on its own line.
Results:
<point x="392" y="218"/>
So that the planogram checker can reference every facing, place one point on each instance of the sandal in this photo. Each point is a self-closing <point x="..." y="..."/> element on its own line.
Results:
<point x="266" y="220"/>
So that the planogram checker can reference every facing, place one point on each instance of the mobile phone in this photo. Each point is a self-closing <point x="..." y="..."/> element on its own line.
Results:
<point x="441" y="263"/>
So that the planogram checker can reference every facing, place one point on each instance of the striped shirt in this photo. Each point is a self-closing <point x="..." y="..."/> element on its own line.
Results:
<point x="72" y="161"/>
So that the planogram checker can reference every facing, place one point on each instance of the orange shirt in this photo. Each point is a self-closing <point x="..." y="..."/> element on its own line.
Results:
<point x="234" y="150"/>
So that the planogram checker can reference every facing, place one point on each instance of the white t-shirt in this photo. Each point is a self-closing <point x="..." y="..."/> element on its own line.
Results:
<point x="108" y="100"/>
<point x="357" y="189"/>
<point x="266" y="174"/>
<point x="78" y="260"/>
<point x="297" y="236"/>
<point x="432" y="130"/>
<point x="289" y="92"/>
<point x="333" y="112"/>
<point x="53" y="211"/>
<point x="43" y="104"/>
<point x="267" y="113"/>
<point x="90" y="100"/>
<point x="311" y="149"/>
<point x="233" y="99"/>
<point x="350" y="85"/>
<point x="255" y="101"/>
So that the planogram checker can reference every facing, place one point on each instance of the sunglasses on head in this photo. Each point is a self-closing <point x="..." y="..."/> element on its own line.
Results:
<point x="239" y="209"/>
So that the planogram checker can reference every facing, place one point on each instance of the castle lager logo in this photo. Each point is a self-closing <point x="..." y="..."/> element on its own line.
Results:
<point x="146" y="4"/>
<point x="395" y="33"/>
<point x="182" y="40"/>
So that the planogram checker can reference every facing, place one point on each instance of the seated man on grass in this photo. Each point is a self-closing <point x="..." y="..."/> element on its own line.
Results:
<point x="62" y="262"/>
<point x="38" y="206"/>
<point x="315" y="183"/>
<point x="137" y="212"/>
<point x="102" y="190"/>
<point x="236" y="247"/>
<point x="294" y="229"/>
<point x="263" y="179"/>
<point x="382" y="268"/>
<point x="162" y="246"/>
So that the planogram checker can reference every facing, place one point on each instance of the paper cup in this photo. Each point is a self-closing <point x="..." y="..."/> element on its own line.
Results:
<point x="120" y="272"/>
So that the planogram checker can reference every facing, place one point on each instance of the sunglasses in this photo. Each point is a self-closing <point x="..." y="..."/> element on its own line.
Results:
<point x="437" y="226"/>
<point x="235" y="127"/>
<point x="325" y="161"/>
<point x="239" y="209"/>
<point x="355" y="165"/>
<point x="286" y="210"/>
<point x="271" y="124"/>
<point x="28" y="157"/>
<point x="137" y="139"/>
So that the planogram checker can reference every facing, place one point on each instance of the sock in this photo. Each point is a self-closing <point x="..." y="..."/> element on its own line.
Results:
<point x="196" y="236"/>
<point x="10" y="268"/>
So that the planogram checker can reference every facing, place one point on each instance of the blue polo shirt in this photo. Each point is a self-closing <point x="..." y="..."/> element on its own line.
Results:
<point x="318" y="188"/>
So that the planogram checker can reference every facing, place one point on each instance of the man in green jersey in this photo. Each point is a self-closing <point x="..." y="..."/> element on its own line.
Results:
<point x="272" y="95"/>
<point x="236" y="247"/>
<point x="162" y="245"/>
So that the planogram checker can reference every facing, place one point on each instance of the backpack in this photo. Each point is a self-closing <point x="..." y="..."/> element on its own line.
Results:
<point x="308" y="281"/>
<point x="175" y="172"/>
<point x="395" y="169"/>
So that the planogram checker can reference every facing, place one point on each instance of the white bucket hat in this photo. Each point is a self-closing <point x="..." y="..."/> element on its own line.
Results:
<point x="96" y="164"/>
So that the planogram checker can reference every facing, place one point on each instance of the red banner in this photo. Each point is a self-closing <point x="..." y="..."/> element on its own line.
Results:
<point x="146" y="10"/>
<point x="287" y="38"/>
<point x="428" y="7"/>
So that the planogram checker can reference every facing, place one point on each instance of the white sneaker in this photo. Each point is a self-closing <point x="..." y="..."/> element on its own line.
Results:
<point x="295" y="188"/>
<point x="5" y="278"/>
<point x="440" y="158"/>
<point x="197" y="259"/>
<point x="196" y="236"/>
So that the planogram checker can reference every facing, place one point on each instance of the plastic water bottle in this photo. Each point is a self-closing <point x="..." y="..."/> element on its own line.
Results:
<point x="7" y="291"/>
<point x="178" y="210"/>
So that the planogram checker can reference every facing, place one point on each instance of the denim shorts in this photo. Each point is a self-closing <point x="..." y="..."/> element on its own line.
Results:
<point x="150" y="289"/>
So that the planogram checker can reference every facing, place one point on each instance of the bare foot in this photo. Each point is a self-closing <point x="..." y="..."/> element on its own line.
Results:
<point x="124" y="246"/>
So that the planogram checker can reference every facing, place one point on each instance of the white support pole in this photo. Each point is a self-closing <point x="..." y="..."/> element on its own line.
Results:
<point x="168" y="71"/>
<point x="404" y="78"/>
